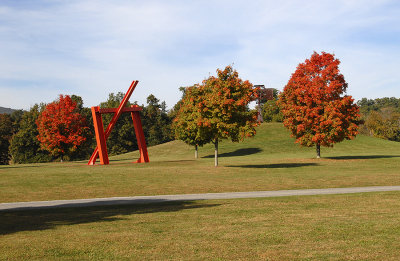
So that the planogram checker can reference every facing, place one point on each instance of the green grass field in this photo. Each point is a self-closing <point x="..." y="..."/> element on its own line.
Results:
<point x="361" y="226"/>
<point x="336" y="227"/>
<point x="269" y="161"/>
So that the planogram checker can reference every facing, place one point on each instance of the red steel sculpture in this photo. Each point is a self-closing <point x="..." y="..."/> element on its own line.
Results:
<point x="102" y="136"/>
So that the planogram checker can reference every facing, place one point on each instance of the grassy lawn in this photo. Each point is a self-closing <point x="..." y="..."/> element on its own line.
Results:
<point x="331" y="227"/>
<point x="270" y="161"/>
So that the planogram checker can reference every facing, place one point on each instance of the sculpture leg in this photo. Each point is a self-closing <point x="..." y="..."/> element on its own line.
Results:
<point x="101" y="149"/>
<point x="137" y="124"/>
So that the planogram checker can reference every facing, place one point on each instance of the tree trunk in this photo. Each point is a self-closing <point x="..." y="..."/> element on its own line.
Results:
<point x="318" y="147"/>
<point x="196" y="152"/>
<point x="216" y="152"/>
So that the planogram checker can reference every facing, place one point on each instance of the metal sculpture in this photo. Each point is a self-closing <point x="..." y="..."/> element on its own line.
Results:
<point x="102" y="136"/>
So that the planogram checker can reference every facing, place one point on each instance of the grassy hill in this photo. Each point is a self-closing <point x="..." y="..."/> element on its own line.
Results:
<point x="360" y="226"/>
<point x="269" y="161"/>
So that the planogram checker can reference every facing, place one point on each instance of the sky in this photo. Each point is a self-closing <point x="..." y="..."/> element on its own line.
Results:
<point x="94" y="48"/>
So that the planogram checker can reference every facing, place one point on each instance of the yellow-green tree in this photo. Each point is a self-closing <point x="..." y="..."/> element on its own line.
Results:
<point x="217" y="109"/>
<point x="384" y="124"/>
<point x="186" y="122"/>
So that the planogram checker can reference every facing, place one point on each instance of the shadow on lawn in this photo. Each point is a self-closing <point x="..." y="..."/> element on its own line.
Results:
<point x="238" y="152"/>
<point x="35" y="220"/>
<point x="18" y="166"/>
<point x="274" y="166"/>
<point x="363" y="157"/>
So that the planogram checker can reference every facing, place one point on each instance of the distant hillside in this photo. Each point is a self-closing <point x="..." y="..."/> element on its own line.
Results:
<point x="271" y="141"/>
<point x="6" y="110"/>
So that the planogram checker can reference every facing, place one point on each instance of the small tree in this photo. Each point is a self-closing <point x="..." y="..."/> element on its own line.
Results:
<point x="271" y="111"/>
<point x="61" y="127"/>
<point x="224" y="110"/>
<point x="187" y="120"/>
<point x="313" y="105"/>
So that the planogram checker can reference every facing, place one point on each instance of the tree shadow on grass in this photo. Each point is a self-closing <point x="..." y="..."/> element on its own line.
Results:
<point x="274" y="166"/>
<point x="363" y="157"/>
<point x="43" y="219"/>
<point x="177" y="161"/>
<point x="18" y="166"/>
<point x="238" y="152"/>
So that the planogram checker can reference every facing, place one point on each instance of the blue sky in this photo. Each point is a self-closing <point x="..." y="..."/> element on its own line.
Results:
<point x="92" y="48"/>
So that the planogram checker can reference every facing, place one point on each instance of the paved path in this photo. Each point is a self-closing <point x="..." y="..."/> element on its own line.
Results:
<point x="185" y="197"/>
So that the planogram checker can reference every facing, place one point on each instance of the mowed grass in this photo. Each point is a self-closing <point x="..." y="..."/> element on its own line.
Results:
<point x="330" y="227"/>
<point x="269" y="161"/>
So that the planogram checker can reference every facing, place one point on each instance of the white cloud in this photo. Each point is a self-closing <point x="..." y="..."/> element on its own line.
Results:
<point x="92" y="48"/>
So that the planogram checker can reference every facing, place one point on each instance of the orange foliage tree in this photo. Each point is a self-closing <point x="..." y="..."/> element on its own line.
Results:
<point x="217" y="109"/>
<point x="314" y="105"/>
<point x="61" y="128"/>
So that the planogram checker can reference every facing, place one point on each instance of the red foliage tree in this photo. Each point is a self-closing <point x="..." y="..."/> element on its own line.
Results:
<point x="314" y="106"/>
<point x="61" y="128"/>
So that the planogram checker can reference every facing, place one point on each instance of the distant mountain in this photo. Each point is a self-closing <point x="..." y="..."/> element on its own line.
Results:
<point x="6" y="110"/>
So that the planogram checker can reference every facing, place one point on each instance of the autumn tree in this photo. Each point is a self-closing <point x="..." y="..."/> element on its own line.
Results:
<point x="220" y="109"/>
<point x="61" y="127"/>
<point x="384" y="124"/>
<point x="314" y="105"/>
<point x="186" y="121"/>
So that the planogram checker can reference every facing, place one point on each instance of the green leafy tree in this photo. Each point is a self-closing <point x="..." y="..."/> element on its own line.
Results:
<point x="314" y="107"/>
<point x="16" y="117"/>
<point x="122" y="137"/>
<point x="175" y="109"/>
<point x="25" y="147"/>
<point x="156" y="122"/>
<point x="369" y="105"/>
<point x="6" y="131"/>
<point x="186" y="121"/>
<point x="85" y="150"/>
<point x="271" y="111"/>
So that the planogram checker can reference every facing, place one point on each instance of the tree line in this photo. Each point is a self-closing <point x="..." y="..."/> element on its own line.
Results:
<point x="28" y="136"/>
<point x="381" y="117"/>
